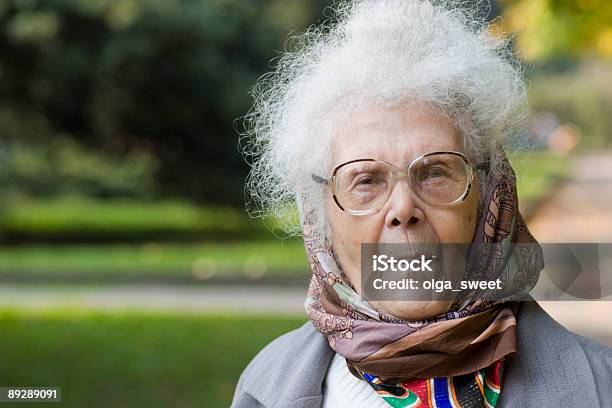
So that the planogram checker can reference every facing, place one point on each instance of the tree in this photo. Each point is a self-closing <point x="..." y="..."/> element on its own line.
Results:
<point x="553" y="28"/>
<point x="166" y="77"/>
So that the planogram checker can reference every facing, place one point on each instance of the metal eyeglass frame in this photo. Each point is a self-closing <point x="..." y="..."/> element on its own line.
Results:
<point x="401" y="174"/>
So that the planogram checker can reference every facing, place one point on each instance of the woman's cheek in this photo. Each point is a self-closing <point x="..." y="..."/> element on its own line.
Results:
<point x="451" y="228"/>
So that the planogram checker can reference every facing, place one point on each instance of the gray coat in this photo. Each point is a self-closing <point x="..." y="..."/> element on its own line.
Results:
<point x="554" y="368"/>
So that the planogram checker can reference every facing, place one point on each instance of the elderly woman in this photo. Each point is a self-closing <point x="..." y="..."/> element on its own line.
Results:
<point x="386" y="126"/>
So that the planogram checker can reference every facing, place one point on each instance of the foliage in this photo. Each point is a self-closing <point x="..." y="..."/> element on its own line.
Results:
<point x="61" y="167"/>
<point x="167" y="77"/>
<point x="553" y="28"/>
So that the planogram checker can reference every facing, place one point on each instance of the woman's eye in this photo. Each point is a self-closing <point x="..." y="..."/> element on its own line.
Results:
<point x="435" y="172"/>
<point x="366" y="180"/>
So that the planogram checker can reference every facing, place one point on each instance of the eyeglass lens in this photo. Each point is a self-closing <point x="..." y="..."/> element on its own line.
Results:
<point x="438" y="179"/>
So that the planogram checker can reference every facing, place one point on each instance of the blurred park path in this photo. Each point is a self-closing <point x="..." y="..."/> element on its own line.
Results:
<point x="157" y="298"/>
<point x="580" y="211"/>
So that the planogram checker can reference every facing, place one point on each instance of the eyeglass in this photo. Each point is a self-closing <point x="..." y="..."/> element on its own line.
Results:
<point x="363" y="186"/>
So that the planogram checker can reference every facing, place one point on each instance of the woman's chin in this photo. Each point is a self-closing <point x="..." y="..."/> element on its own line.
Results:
<point x="412" y="310"/>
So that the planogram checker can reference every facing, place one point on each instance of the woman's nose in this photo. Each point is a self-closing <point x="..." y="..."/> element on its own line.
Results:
<point x="402" y="209"/>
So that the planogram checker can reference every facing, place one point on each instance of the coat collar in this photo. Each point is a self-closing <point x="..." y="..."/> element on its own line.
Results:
<point x="293" y="369"/>
<point x="550" y="368"/>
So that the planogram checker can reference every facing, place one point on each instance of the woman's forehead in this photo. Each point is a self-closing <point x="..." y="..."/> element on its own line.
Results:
<point x="396" y="135"/>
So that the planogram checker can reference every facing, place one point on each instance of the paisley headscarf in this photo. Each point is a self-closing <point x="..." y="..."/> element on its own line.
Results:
<point x="455" y="357"/>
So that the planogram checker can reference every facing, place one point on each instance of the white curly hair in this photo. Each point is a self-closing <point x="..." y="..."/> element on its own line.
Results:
<point x="371" y="53"/>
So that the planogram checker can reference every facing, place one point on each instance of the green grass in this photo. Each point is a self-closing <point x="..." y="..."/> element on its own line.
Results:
<point x="536" y="172"/>
<point x="123" y="219"/>
<point x="133" y="359"/>
<point x="204" y="260"/>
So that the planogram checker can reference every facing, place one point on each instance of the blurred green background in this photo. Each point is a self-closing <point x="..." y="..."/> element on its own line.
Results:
<point x="119" y="166"/>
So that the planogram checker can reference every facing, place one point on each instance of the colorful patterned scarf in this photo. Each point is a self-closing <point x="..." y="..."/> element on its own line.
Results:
<point x="454" y="359"/>
<point x="477" y="389"/>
